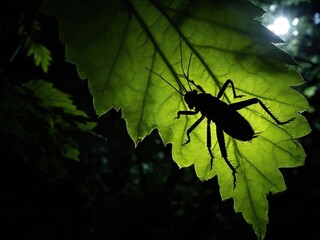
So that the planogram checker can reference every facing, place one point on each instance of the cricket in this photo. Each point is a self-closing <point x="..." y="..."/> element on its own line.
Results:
<point x="225" y="116"/>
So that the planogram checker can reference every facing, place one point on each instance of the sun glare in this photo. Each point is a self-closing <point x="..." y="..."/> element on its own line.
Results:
<point x="280" y="26"/>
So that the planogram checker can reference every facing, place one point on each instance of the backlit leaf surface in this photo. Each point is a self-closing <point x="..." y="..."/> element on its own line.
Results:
<point x="112" y="43"/>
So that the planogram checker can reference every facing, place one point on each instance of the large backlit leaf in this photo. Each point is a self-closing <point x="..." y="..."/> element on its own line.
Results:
<point x="113" y="41"/>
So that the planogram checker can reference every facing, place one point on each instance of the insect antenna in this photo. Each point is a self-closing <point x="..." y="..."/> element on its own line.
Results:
<point x="181" y="63"/>
<point x="186" y="75"/>
<point x="180" y="84"/>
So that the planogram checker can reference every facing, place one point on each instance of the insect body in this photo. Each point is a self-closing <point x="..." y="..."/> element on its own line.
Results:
<point x="226" y="116"/>
<point x="219" y="112"/>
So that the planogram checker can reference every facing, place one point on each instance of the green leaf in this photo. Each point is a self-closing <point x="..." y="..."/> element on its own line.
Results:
<point x="41" y="55"/>
<point x="65" y="120"/>
<point x="51" y="97"/>
<point x="71" y="152"/>
<point x="112" y="42"/>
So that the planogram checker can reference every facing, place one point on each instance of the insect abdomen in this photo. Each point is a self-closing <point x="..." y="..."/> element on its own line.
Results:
<point x="237" y="127"/>
<point x="228" y="119"/>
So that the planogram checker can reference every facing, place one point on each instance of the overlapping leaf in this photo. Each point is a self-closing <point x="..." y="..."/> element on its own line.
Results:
<point x="113" y="41"/>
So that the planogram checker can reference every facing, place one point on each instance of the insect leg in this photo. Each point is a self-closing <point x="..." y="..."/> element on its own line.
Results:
<point x="209" y="142"/>
<point x="185" y="113"/>
<point x="192" y="128"/>
<point x="223" y="151"/>
<point x="246" y="103"/>
<point x="223" y="89"/>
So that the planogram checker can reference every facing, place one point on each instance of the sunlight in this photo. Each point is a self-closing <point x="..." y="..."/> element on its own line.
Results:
<point x="280" y="26"/>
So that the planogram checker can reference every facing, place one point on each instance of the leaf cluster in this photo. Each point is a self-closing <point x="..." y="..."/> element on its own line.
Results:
<point x="35" y="113"/>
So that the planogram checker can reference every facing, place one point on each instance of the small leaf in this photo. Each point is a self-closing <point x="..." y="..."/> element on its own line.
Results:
<point x="53" y="98"/>
<point x="112" y="43"/>
<point x="41" y="55"/>
<point x="71" y="152"/>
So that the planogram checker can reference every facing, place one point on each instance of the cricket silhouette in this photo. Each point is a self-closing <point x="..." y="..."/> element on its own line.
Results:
<point x="225" y="116"/>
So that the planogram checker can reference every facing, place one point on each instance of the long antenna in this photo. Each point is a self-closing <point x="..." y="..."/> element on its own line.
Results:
<point x="181" y="63"/>
<point x="188" y="80"/>
<point x="168" y="82"/>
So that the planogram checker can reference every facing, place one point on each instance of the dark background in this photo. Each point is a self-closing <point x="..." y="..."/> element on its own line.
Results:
<point x="117" y="190"/>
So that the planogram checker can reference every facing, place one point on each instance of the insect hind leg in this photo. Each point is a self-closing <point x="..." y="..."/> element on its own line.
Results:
<point x="246" y="103"/>
<point x="223" y="151"/>
<point x="209" y="142"/>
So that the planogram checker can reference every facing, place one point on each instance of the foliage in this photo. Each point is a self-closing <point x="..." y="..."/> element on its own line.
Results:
<point x="112" y="42"/>
<point x="41" y="55"/>
<point x="39" y="120"/>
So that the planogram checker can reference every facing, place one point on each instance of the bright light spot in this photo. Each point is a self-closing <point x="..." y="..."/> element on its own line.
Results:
<point x="280" y="26"/>
<point x="272" y="8"/>
<point x="295" y="21"/>
<point x="295" y="33"/>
